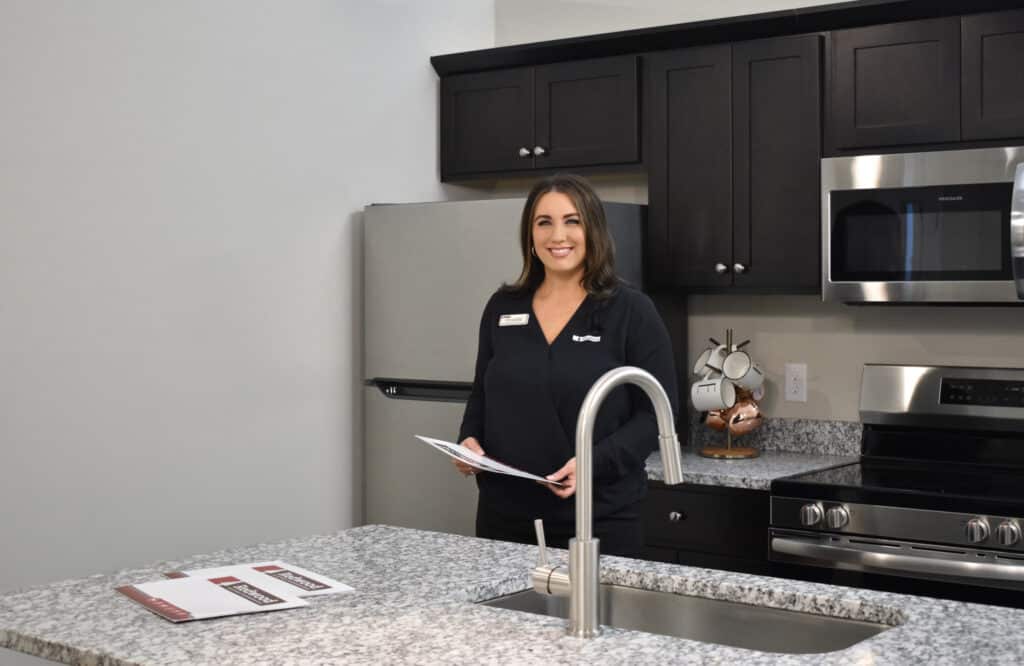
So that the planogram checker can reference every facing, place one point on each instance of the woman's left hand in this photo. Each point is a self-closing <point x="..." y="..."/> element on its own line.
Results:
<point x="566" y="475"/>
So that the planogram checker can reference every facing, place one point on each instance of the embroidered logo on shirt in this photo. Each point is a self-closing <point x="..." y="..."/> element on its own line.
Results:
<point x="513" y="319"/>
<point x="586" y="338"/>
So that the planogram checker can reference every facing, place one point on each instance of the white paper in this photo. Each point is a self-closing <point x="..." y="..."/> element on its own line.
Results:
<point x="184" y="599"/>
<point x="480" y="462"/>
<point x="275" y="576"/>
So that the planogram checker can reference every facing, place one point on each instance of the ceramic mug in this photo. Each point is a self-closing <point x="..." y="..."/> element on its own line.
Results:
<point x="710" y="359"/>
<point x="711" y="394"/>
<point x="741" y="369"/>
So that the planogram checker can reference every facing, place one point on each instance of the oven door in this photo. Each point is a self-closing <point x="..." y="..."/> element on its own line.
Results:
<point x="923" y="227"/>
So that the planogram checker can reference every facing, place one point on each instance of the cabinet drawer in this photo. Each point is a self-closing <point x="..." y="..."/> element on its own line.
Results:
<point x="727" y="521"/>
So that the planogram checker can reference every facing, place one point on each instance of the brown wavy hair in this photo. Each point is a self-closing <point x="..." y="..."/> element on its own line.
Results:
<point x="599" y="278"/>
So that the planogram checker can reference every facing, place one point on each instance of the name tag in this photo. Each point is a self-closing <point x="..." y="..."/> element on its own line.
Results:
<point x="586" y="338"/>
<point x="513" y="319"/>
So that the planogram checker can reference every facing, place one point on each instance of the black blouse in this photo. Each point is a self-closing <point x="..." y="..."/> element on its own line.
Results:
<point x="527" y="395"/>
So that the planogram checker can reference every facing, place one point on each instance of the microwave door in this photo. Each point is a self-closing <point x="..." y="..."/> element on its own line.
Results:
<point x="1017" y="231"/>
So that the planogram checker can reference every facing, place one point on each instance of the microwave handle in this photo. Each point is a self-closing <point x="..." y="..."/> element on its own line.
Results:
<point x="1017" y="231"/>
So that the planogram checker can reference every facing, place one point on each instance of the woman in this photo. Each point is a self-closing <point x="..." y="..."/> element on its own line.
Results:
<point x="544" y="340"/>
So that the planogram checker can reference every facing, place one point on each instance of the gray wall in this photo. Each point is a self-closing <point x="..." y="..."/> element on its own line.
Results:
<point x="180" y="281"/>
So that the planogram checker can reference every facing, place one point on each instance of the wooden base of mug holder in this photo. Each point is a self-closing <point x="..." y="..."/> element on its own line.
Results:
<point x="729" y="452"/>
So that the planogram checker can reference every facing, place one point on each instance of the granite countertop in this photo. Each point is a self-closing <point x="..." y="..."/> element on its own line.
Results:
<point x="414" y="604"/>
<point x="754" y="473"/>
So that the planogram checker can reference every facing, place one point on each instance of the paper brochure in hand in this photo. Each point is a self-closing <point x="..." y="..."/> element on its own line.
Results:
<point x="480" y="462"/>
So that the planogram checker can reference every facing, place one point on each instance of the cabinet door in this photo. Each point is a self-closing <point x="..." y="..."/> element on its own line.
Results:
<point x="776" y="153"/>
<point x="707" y="519"/>
<point x="586" y="112"/>
<point x="993" y="75"/>
<point x="896" y="84"/>
<point x="688" y="150"/>
<point x="485" y="119"/>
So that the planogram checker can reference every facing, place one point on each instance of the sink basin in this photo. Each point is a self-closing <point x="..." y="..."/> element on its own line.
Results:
<point x="707" y="620"/>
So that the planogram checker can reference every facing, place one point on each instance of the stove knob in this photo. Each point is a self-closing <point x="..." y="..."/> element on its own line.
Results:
<point x="1008" y="533"/>
<point x="810" y="514"/>
<point x="977" y="530"/>
<point x="837" y="517"/>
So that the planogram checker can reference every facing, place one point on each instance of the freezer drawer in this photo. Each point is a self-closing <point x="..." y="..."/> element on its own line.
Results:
<point x="408" y="483"/>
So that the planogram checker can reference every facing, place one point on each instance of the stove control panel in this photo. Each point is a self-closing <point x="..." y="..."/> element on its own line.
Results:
<point x="899" y="523"/>
<point x="983" y="392"/>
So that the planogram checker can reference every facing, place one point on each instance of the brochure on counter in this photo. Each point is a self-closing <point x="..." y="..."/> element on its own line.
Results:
<point x="480" y="462"/>
<point x="233" y="590"/>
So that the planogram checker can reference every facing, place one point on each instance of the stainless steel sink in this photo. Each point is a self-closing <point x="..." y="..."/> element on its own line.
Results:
<point x="707" y="620"/>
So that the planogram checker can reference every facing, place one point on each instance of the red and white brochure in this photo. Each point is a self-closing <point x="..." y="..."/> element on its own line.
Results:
<point x="184" y="599"/>
<point x="274" y="576"/>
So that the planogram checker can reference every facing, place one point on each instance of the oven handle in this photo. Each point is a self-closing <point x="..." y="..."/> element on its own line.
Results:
<point x="910" y="563"/>
<point x="1017" y="230"/>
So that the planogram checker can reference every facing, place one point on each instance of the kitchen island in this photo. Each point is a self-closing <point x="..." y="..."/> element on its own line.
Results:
<point x="414" y="603"/>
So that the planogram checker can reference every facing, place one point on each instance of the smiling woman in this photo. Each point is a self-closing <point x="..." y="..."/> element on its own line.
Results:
<point x="544" y="340"/>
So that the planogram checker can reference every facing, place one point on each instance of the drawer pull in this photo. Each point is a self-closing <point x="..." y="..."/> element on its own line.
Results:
<point x="676" y="516"/>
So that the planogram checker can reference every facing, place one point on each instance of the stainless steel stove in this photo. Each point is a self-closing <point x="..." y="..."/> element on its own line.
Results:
<point x="938" y="493"/>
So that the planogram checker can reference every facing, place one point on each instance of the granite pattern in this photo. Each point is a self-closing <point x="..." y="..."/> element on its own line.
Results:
<point x="754" y="473"/>
<point x="833" y="438"/>
<point x="414" y="604"/>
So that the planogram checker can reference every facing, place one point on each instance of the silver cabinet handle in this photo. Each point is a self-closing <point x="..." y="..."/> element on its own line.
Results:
<point x="524" y="152"/>
<point x="721" y="268"/>
<point x="739" y="268"/>
<point x="538" y="151"/>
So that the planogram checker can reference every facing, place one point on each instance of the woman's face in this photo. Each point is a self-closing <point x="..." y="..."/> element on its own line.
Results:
<point x="558" y="237"/>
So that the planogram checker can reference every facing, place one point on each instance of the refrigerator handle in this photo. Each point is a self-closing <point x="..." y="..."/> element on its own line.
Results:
<point x="417" y="389"/>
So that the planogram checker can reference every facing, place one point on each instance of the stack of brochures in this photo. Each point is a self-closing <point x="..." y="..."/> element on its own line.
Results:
<point x="233" y="590"/>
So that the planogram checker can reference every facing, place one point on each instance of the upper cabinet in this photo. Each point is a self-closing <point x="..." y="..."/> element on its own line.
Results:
<point x="993" y="76"/>
<point x="733" y="148"/>
<point x="896" y="84"/>
<point x="573" y="114"/>
<point x="926" y="84"/>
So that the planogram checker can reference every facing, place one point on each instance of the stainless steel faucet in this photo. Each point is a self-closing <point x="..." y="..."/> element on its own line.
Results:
<point x="582" y="582"/>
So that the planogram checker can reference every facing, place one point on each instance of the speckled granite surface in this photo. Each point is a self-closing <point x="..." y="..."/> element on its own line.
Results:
<point x="414" y="604"/>
<point x="754" y="473"/>
<point x="833" y="438"/>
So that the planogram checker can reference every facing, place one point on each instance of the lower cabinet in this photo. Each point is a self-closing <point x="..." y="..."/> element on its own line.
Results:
<point x="707" y="526"/>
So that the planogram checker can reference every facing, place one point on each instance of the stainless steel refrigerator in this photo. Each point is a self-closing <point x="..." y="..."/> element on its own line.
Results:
<point x="428" y="272"/>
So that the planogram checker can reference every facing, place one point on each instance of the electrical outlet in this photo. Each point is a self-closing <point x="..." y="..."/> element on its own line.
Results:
<point x="796" y="382"/>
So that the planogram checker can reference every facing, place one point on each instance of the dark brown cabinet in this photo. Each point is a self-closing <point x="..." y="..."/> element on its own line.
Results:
<point x="733" y="149"/>
<point x="993" y="76"/>
<point x="581" y="113"/>
<point x="707" y="526"/>
<point x="895" y="84"/>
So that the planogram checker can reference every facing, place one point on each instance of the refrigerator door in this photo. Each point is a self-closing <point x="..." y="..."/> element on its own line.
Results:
<point x="408" y="483"/>
<point x="429" y="270"/>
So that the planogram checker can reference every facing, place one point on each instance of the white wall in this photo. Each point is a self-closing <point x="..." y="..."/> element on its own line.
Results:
<point x="180" y="183"/>
<point x="520" y="21"/>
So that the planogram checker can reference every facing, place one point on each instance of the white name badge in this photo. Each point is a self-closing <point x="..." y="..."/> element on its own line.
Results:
<point x="513" y="319"/>
<point x="586" y="338"/>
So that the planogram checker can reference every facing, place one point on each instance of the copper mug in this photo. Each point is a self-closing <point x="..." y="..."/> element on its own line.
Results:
<point x="744" y="416"/>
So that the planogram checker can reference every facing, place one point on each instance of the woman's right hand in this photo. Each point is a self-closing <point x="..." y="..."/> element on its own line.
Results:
<point x="474" y="446"/>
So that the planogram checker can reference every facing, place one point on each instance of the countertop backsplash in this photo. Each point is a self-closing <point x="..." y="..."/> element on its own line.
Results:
<point x="833" y="438"/>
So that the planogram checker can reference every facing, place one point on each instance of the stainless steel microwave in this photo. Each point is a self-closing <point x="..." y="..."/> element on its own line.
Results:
<point x="936" y="227"/>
